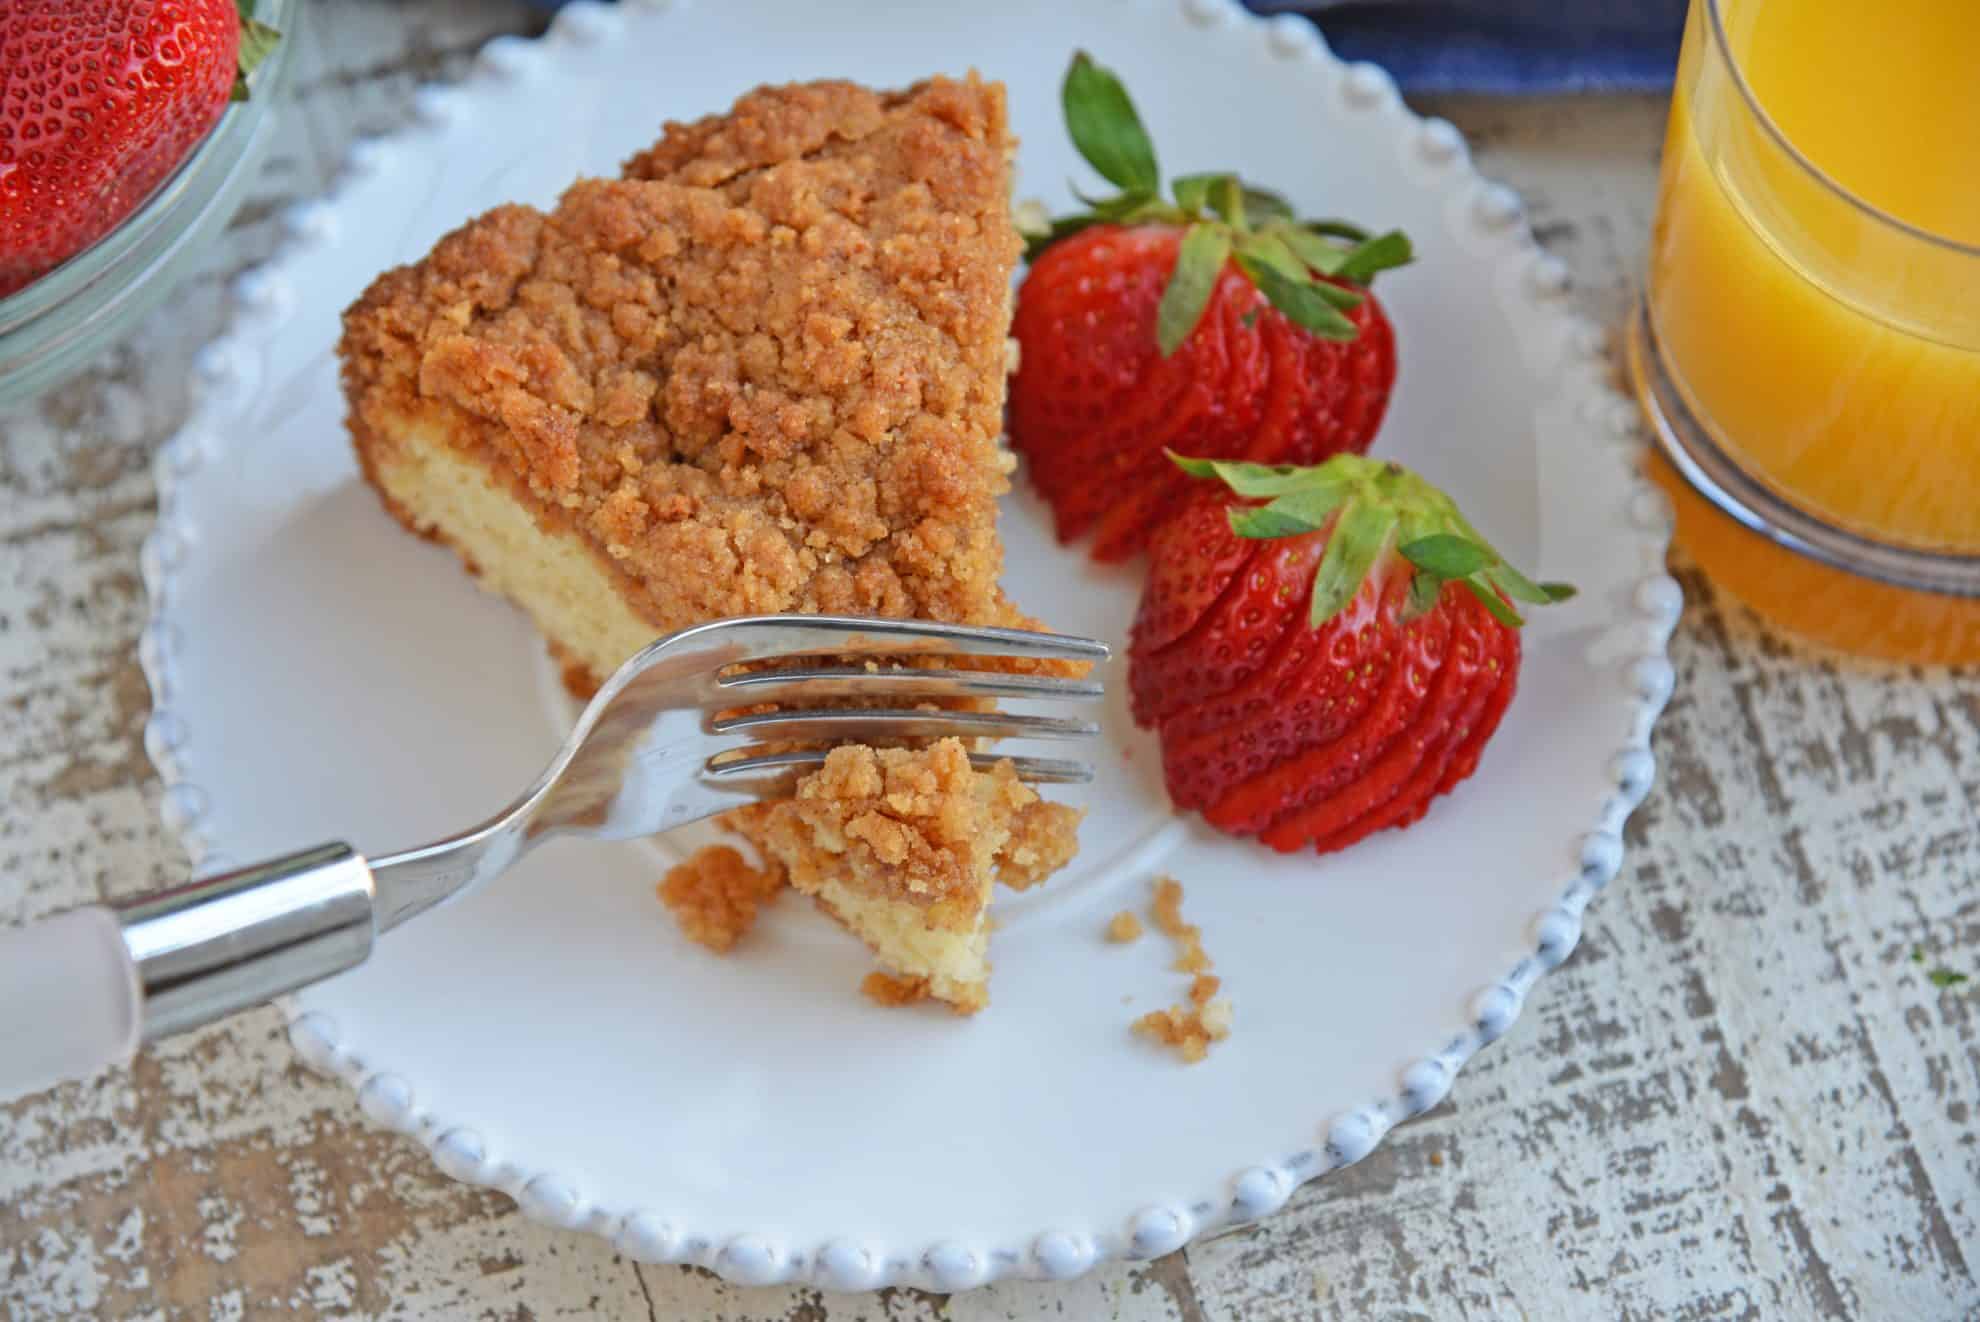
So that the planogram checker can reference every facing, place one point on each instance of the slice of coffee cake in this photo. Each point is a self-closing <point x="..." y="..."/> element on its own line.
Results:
<point x="903" y="847"/>
<point x="762" y="372"/>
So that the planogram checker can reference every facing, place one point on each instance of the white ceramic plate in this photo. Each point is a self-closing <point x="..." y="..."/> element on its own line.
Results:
<point x="318" y="673"/>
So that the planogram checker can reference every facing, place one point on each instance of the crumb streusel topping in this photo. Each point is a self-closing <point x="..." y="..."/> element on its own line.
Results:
<point x="763" y="372"/>
<point x="714" y="895"/>
<point x="905" y="824"/>
<point x="892" y="991"/>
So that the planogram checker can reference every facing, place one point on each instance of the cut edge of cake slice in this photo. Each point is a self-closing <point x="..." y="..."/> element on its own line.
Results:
<point x="904" y="847"/>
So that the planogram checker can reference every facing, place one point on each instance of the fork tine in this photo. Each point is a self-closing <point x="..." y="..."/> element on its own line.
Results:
<point x="770" y="773"/>
<point x="765" y="636"/>
<point x="809" y="685"/>
<point x="877" y="723"/>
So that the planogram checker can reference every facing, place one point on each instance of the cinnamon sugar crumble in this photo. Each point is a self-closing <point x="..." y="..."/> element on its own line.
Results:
<point x="901" y="822"/>
<point x="764" y="371"/>
<point x="910" y="820"/>
<point x="715" y="894"/>
<point x="923" y="834"/>
<point x="1187" y="936"/>
<point x="1205" y="1017"/>
<point x="887" y="989"/>
<point x="1044" y="837"/>
<point x="1124" y="927"/>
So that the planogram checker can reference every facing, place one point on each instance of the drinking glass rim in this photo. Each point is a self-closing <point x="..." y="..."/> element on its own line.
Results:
<point x="1821" y="176"/>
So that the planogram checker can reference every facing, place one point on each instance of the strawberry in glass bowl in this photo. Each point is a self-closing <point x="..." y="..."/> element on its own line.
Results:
<point x="129" y="130"/>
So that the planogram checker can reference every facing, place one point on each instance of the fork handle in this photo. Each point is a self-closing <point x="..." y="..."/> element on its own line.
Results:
<point x="80" y="990"/>
<point x="69" y="1000"/>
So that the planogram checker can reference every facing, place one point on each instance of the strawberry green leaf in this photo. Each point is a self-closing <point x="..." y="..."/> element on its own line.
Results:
<point x="1314" y="503"/>
<point x="1250" y="479"/>
<point x="1307" y="510"/>
<point x="1199" y="261"/>
<point x="1323" y="255"/>
<point x="1192" y="191"/>
<point x="1264" y="523"/>
<point x="1448" y="555"/>
<point x="245" y="8"/>
<point x="1516" y="585"/>
<point x="1273" y="251"/>
<point x="1344" y="299"/>
<point x="1360" y="501"/>
<point x="257" y="40"/>
<point x="1382" y="253"/>
<point x="1340" y="229"/>
<point x="1095" y="203"/>
<point x="1105" y="128"/>
<point x="1122" y="206"/>
<point x="1493" y="603"/>
<point x="1262" y="206"/>
<point x="1521" y="588"/>
<point x="1424" y="589"/>
<point x="1359" y="536"/>
<point x="1270" y="250"/>
<point x="1227" y="197"/>
<point x="1300" y="302"/>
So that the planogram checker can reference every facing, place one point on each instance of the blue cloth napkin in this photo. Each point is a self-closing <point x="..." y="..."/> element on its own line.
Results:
<point x="1498" y="46"/>
<point x="1504" y="46"/>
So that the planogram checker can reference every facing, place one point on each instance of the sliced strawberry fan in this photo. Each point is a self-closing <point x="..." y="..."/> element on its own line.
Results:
<point x="1326" y="653"/>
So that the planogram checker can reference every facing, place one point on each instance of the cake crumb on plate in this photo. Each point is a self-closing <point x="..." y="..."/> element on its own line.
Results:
<point x="1188" y="1028"/>
<point x="1124" y="928"/>
<point x="715" y="893"/>
<point x="891" y="990"/>
<point x="1187" y="936"/>
<point x="1205" y="1017"/>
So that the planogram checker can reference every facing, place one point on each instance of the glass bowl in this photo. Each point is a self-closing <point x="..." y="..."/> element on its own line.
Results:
<point x="62" y="321"/>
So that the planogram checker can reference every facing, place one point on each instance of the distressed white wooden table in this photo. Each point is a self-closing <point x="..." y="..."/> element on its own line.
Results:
<point x="1740" y="1098"/>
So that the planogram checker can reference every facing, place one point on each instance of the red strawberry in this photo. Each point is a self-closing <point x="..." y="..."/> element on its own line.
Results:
<point x="99" y="101"/>
<point x="1218" y="325"/>
<point x="1322" y="665"/>
<point x="1238" y="635"/>
<point x="1379" y="783"/>
<point x="1182" y="588"/>
<point x="1489" y="681"/>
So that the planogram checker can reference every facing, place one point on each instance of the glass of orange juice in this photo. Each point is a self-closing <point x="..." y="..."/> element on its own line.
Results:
<point x="1808" y="349"/>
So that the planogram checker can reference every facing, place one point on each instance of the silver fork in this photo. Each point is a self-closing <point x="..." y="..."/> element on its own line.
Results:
<point x="651" y="751"/>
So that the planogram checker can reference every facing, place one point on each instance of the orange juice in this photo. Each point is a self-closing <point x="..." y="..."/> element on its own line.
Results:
<point x="1814" y="292"/>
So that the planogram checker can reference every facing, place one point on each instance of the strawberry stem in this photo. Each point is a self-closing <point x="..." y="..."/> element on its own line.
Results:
<point x="1105" y="128"/>
<point x="1300" y="266"/>
<point x="1368" y="507"/>
<point x="257" y="42"/>
<point x="1199" y="262"/>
